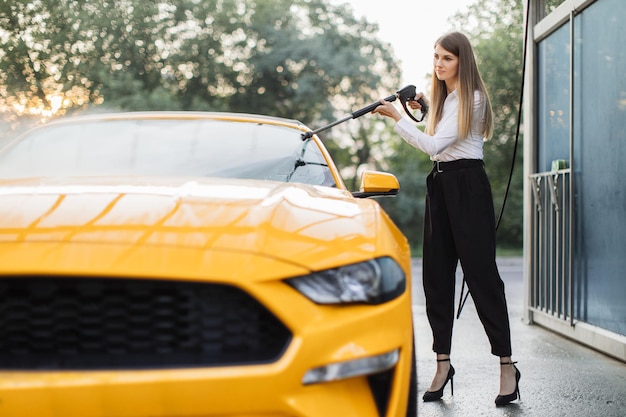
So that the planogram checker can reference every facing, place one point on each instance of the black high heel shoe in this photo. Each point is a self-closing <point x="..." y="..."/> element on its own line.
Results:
<point x="506" y="399"/>
<point x="436" y="395"/>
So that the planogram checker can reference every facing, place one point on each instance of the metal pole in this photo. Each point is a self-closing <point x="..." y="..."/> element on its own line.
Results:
<point x="571" y="167"/>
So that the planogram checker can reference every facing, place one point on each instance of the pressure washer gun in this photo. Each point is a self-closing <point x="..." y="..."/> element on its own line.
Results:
<point x="404" y="94"/>
<point x="407" y="94"/>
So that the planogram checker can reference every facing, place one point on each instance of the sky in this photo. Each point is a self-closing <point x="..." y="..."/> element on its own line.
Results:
<point x="411" y="27"/>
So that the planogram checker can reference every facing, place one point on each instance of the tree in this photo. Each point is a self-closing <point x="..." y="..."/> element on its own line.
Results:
<point x="60" y="55"/>
<point x="311" y="61"/>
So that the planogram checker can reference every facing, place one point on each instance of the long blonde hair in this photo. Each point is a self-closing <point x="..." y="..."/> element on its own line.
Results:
<point x="469" y="80"/>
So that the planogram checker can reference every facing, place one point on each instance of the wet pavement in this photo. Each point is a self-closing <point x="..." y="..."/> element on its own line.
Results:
<point x="559" y="376"/>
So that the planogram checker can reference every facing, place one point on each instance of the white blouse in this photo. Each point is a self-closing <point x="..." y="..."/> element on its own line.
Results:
<point x="445" y="144"/>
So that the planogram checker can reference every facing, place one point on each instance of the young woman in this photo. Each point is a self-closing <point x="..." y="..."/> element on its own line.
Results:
<point x="459" y="221"/>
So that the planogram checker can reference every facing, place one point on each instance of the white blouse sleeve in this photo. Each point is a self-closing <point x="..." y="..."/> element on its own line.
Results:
<point x="446" y="135"/>
<point x="447" y="131"/>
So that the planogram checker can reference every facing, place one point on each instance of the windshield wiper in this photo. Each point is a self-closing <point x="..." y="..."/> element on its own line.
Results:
<point x="300" y="162"/>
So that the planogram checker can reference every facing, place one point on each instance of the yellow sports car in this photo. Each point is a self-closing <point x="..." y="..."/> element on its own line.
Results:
<point x="197" y="264"/>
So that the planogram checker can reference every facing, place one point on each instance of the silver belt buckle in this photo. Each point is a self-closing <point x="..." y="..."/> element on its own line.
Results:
<point x="438" y="169"/>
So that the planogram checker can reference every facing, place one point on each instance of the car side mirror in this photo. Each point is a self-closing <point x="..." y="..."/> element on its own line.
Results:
<point x="377" y="184"/>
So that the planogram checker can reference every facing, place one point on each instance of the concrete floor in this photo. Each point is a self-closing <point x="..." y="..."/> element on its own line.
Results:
<point x="559" y="376"/>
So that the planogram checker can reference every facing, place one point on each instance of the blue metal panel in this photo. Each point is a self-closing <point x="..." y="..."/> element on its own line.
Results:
<point x="600" y="164"/>
<point x="554" y="98"/>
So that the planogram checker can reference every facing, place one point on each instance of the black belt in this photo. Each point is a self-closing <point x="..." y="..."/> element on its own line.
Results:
<point x="458" y="164"/>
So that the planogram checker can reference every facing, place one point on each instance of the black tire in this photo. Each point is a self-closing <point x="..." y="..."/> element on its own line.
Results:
<point x="411" y="406"/>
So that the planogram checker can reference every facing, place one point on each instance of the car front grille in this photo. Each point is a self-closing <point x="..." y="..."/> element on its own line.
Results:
<point x="96" y="323"/>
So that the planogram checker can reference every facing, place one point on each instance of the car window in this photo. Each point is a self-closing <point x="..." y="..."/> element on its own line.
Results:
<point x="167" y="147"/>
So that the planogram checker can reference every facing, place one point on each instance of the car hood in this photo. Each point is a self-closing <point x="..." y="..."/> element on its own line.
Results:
<point x="301" y="224"/>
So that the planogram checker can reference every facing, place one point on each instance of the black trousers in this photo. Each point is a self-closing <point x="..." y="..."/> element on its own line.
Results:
<point x="459" y="225"/>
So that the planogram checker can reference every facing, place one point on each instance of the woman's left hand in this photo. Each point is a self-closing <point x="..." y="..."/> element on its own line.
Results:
<point x="387" y="109"/>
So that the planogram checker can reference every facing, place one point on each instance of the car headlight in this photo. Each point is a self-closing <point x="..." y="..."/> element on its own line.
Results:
<point x="372" y="282"/>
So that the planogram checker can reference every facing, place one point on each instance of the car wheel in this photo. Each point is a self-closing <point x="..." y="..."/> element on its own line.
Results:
<point x="411" y="406"/>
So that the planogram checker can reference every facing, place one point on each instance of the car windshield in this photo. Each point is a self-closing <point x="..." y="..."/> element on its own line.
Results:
<point x="168" y="147"/>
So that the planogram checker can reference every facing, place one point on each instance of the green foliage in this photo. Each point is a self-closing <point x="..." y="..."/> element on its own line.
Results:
<point x="550" y="5"/>
<point x="281" y="57"/>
